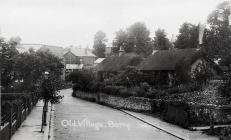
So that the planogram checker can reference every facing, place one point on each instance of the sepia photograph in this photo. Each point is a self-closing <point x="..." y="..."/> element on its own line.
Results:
<point x="115" y="69"/>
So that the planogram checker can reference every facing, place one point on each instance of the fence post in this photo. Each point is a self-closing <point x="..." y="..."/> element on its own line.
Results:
<point x="10" y="121"/>
<point x="211" y="120"/>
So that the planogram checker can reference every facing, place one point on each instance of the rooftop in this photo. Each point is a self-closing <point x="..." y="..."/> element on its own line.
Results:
<point x="81" y="51"/>
<point x="118" y="63"/>
<point x="166" y="59"/>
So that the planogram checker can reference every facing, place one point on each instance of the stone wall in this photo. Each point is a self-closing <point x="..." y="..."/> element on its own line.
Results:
<point x="131" y="103"/>
<point x="86" y="95"/>
<point x="177" y="112"/>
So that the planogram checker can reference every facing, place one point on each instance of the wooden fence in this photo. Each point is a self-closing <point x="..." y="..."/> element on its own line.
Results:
<point x="14" y="112"/>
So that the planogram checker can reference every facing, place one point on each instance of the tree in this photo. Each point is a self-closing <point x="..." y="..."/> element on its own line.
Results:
<point x="138" y="39"/>
<point x="218" y="36"/>
<point x="15" y="40"/>
<point x="134" y="39"/>
<point x="8" y="53"/>
<point x="30" y="66"/>
<point x="188" y="36"/>
<point x="121" y="40"/>
<point x="48" y="89"/>
<point x="99" y="44"/>
<point x="161" y="42"/>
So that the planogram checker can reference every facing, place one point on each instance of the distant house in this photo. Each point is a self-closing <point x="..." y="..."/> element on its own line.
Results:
<point x="77" y="56"/>
<point x="98" y="61"/>
<point x="162" y="65"/>
<point x="55" y="50"/>
<point x="116" y="64"/>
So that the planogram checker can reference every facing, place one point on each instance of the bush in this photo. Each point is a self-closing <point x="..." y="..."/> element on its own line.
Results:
<point x="124" y="92"/>
<point x="96" y="86"/>
<point x="82" y="80"/>
<point x="76" y="86"/>
<point x="139" y="92"/>
<point x="113" y="90"/>
<point x="225" y="86"/>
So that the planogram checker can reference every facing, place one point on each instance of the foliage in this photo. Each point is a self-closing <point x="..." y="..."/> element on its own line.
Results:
<point x="21" y="72"/>
<point x="217" y="38"/>
<point x="48" y="89"/>
<point x="201" y="74"/>
<point x="99" y="44"/>
<point x="223" y="132"/>
<point x="188" y="36"/>
<point x="84" y="80"/>
<point x="182" y="72"/>
<point x="8" y="53"/>
<point x="128" y="78"/>
<point x="121" y="40"/>
<point x="134" y="39"/>
<point x="112" y="90"/>
<point x="30" y="66"/>
<point x="225" y="87"/>
<point x="161" y="42"/>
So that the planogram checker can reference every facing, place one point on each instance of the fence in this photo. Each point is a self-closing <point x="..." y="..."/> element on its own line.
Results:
<point x="15" y="108"/>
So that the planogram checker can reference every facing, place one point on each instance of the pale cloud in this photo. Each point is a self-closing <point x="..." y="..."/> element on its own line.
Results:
<point x="74" y="22"/>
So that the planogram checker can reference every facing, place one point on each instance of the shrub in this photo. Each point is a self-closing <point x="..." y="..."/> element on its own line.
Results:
<point x="201" y="74"/>
<point x="124" y="92"/>
<point x="81" y="79"/>
<point x="76" y="86"/>
<point x="145" y="86"/>
<point x="96" y="86"/>
<point x="139" y="92"/>
<point x="113" y="90"/>
<point x="225" y="86"/>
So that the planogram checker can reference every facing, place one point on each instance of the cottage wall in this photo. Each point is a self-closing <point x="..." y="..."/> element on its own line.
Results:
<point x="88" y="60"/>
<point x="70" y="58"/>
<point x="195" y="64"/>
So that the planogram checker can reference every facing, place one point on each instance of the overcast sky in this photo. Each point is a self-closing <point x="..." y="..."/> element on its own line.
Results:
<point x="74" y="22"/>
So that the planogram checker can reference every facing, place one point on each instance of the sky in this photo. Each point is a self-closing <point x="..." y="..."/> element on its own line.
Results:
<point x="74" y="22"/>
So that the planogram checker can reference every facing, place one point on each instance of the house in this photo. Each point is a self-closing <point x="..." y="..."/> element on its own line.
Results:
<point x="72" y="62"/>
<point x="77" y="56"/>
<point x="116" y="64"/>
<point x="162" y="65"/>
<point x="98" y="61"/>
<point x="55" y="50"/>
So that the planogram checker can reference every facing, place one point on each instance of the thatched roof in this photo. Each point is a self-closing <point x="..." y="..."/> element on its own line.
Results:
<point x="165" y="60"/>
<point x="118" y="63"/>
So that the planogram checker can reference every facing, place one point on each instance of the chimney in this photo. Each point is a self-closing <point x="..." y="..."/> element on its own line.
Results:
<point x="201" y="33"/>
<point x="121" y="51"/>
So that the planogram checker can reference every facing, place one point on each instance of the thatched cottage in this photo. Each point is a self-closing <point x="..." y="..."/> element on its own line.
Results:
<point x="163" y="65"/>
<point x="117" y="64"/>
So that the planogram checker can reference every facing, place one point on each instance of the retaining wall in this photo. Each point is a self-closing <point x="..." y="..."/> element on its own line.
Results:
<point x="180" y="113"/>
